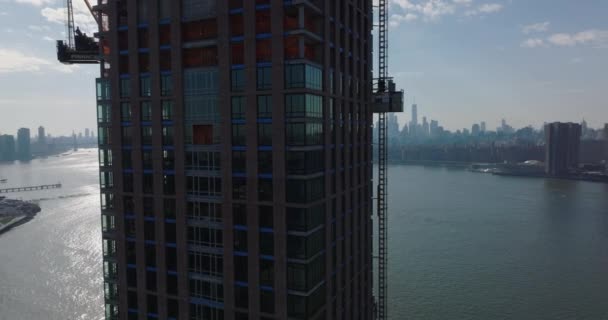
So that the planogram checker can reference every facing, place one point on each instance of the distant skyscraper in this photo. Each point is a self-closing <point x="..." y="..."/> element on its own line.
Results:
<point x="7" y="147"/>
<point x="414" y="121"/>
<point x="434" y="128"/>
<point x="393" y="125"/>
<point x="483" y="126"/>
<point x="476" y="129"/>
<point x="425" y="127"/>
<point x="87" y="133"/>
<point x="23" y="144"/>
<point x="562" y="147"/>
<point x="606" y="131"/>
<point x="41" y="136"/>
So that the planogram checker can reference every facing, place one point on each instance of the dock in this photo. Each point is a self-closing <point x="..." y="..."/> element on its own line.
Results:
<point x="33" y="188"/>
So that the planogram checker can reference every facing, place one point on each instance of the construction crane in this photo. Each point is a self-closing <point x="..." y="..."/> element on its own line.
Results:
<point x="386" y="99"/>
<point x="79" y="48"/>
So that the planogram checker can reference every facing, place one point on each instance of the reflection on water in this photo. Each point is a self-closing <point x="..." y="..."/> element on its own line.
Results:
<point x="51" y="266"/>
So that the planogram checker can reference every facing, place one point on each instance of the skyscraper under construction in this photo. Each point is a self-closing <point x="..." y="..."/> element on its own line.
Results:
<point x="235" y="153"/>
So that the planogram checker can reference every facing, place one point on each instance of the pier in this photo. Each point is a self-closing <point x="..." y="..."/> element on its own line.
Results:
<point x="34" y="188"/>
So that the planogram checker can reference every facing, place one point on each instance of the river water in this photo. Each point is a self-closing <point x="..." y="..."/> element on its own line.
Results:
<point x="462" y="245"/>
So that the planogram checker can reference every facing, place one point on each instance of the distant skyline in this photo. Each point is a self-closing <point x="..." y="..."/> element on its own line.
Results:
<point x="463" y="61"/>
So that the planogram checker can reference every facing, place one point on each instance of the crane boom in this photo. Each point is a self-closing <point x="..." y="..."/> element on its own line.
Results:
<point x="80" y="48"/>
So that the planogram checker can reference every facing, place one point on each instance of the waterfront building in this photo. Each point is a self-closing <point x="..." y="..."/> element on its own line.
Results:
<point x="7" y="148"/>
<point x="562" y="144"/>
<point x="23" y="145"/>
<point x="235" y="147"/>
<point x="41" y="136"/>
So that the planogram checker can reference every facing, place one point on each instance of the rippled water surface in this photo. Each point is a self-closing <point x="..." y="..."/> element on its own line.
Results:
<point x="50" y="267"/>
<point x="462" y="246"/>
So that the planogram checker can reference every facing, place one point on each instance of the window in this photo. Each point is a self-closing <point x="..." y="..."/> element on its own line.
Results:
<point x="265" y="134"/>
<point x="206" y="211"/>
<point x="305" y="219"/>
<point x="303" y="76"/>
<point x="237" y="53"/>
<point x="240" y="240"/>
<point x="103" y="89"/>
<point x="200" y="81"/>
<point x="263" y="50"/>
<point x="267" y="301"/>
<point x="127" y="135"/>
<point x="169" y="184"/>
<point x="238" y="108"/>
<point x="266" y="215"/>
<point x="146" y="111"/>
<point x="126" y="113"/>
<point x="305" y="190"/>
<point x="127" y="162"/>
<point x="305" y="162"/>
<point x="262" y="21"/>
<point x="265" y="107"/>
<point x="265" y="162"/>
<point x="304" y="248"/>
<point x="169" y="208"/>
<point x="148" y="183"/>
<point x="147" y="160"/>
<point x="236" y="25"/>
<point x="206" y="237"/>
<point x="168" y="136"/>
<point x="304" y="277"/>
<point x="105" y="157"/>
<point x="267" y="243"/>
<point x="267" y="273"/>
<point x="304" y="307"/>
<point x="241" y="300"/>
<point x="204" y="186"/>
<point x="145" y="86"/>
<point x="239" y="188"/>
<point x="203" y="160"/>
<point x="127" y="182"/>
<point x="265" y="190"/>
<point x="146" y="135"/>
<point x="304" y="133"/>
<point x="241" y="269"/>
<point x="125" y="87"/>
<point x="239" y="214"/>
<point x="167" y="110"/>
<point x="197" y="10"/>
<point x="168" y="160"/>
<point x="108" y="223"/>
<point x="264" y="81"/>
<point x="238" y="135"/>
<point x="303" y="106"/>
<point x="207" y="290"/>
<point x="104" y="113"/>
<point x="166" y="85"/>
<point x="239" y="161"/>
<point x="198" y="311"/>
<point x="238" y="80"/>
<point x="206" y="263"/>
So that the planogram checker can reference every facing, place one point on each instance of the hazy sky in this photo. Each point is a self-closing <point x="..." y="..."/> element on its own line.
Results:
<point x="464" y="61"/>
